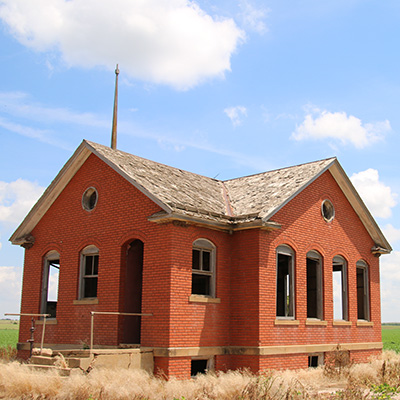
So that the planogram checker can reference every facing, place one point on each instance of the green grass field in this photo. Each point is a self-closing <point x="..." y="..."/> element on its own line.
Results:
<point x="9" y="333"/>
<point x="391" y="337"/>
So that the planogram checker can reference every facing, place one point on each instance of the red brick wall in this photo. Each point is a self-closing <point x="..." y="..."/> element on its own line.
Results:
<point x="245" y="273"/>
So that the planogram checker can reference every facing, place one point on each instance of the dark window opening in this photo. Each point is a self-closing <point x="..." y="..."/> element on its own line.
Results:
<point x="362" y="291"/>
<point x="313" y="361"/>
<point x="314" y="286"/>
<point x="203" y="268"/>
<point x="90" y="268"/>
<point x="198" y="367"/>
<point x="284" y="286"/>
<point x="328" y="211"/>
<point x="89" y="199"/>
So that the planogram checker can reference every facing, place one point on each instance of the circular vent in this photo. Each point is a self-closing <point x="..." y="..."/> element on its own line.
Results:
<point x="89" y="199"/>
<point x="328" y="211"/>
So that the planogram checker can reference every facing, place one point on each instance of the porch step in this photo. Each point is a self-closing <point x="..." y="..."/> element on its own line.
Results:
<point x="46" y="368"/>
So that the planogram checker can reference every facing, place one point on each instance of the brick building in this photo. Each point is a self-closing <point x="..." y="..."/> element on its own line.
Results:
<point x="267" y="271"/>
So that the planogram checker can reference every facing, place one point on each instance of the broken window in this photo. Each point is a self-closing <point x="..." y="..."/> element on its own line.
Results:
<point x="362" y="291"/>
<point x="89" y="272"/>
<point x="339" y="280"/>
<point x="284" y="282"/>
<point x="203" y="268"/>
<point x="50" y="277"/>
<point x="315" y="360"/>
<point x="201" y="366"/>
<point x="314" y="285"/>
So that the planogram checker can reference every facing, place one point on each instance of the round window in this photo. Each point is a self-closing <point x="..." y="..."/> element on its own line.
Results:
<point x="89" y="199"/>
<point x="328" y="211"/>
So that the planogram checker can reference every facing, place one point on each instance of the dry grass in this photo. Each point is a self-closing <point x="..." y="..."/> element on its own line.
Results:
<point x="349" y="382"/>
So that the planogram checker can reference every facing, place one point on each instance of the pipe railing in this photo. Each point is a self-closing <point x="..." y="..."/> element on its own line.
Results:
<point x="109" y="313"/>
<point x="33" y="328"/>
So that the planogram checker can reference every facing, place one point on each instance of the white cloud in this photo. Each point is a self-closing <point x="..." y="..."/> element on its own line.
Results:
<point x="347" y="129"/>
<point x="17" y="198"/>
<point x="170" y="42"/>
<point x="1" y="245"/>
<point x="391" y="233"/>
<point x="235" y="114"/>
<point x="377" y="196"/>
<point x="253" y="18"/>
<point x="10" y="289"/>
<point x="390" y="282"/>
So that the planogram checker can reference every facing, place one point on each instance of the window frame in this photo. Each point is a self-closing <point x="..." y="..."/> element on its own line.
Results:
<point x="362" y="265"/>
<point x="290" y="309"/>
<point x="340" y="261"/>
<point x="316" y="256"/>
<point x="204" y="245"/>
<point x="88" y="251"/>
<point x="48" y="260"/>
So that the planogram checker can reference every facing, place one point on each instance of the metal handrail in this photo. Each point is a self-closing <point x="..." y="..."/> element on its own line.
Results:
<point x="109" y="313"/>
<point x="33" y="328"/>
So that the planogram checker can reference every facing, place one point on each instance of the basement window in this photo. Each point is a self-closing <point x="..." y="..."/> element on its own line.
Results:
<point x="327" y="210"/>
<point x="89" y="272"/>
<point x="284" y="282"/>
<point x="362" y="291"/>
<point x="314" y="285"/>
<point x="315" y="360"/>
<point x="203" y="268"/>
<point x="201" y="366"/>
<point x="89" y="199"/>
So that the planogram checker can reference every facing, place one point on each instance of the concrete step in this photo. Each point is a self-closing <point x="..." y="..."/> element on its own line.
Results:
<point x="42" y="360"/>
<point x="46" y="368"/>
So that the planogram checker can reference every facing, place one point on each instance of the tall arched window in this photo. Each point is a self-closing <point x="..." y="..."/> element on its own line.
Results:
<point x="203" y="268"/>
<point x="284" y="281"/>
<point x="339" y="280"/>
<point x="314" y="285"/>
<point x="362" y="291"/>
<point x="89" y="272"/>
<point x="50" y="278"/>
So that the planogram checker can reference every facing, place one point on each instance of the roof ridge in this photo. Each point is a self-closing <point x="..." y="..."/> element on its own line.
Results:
<point x="281" y="169"/>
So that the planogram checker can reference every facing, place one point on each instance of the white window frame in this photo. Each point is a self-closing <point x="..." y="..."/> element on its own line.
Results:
<point x="340" y="264"/>
<point x="290" y="311"/>
<point x="87" y="251"/>
<point x="315" y="256"/>
<point x="50" y="257"/>
<point x="204" y="245"/>
<point x="362" y="265"/>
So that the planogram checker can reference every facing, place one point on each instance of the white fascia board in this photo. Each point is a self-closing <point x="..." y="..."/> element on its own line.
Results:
<point x="51" y="193"/>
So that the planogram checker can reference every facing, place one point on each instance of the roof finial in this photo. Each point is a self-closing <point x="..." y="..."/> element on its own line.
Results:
<point x="114" y="124"/>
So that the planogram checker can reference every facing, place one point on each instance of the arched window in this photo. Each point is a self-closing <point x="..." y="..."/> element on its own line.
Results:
<point x="339" y="280"/>
<point x="314" y="285"/>
<point x="203" y="268"/>
<point x="362" y="291"/>
<point x="284" y="281"/>
<point x="50" y="278"/>
<point x="89" y="272"/>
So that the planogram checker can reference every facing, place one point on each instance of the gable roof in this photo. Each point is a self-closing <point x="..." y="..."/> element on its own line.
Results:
<point x="234" y="204"/>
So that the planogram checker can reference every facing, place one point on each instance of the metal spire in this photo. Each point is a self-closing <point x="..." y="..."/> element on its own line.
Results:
<point x="114" y="124"/>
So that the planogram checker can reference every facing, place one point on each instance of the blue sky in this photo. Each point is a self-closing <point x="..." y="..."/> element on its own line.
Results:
<point x="220" y="88"/>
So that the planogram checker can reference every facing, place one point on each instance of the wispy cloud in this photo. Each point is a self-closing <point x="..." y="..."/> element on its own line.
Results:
<point x="346" y="129"/>
<point x="170" y="42"/>
<point x="236" y="114"/>
<point x="10" y="289"/>
<point x="378" y="197"/>
<point x="252" y="17"/>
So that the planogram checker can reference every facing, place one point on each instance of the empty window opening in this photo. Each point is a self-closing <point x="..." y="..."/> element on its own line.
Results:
<point x="203" y="268"/>
<point x="314" y="285"/>
<point x="50" y="284"/>
<point x="89" y="272"/>
<point x="327" y="210"/>
<point x="201" y="366"/>
<point x="89" y="199"/>
<point x="339" y="280"/>
<point x="362" y="291"/>
<point x="315" y="360"/>
<point x="285" y="282"/>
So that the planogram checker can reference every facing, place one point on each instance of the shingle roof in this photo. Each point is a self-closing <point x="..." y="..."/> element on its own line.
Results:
<point x="182" y="191"/>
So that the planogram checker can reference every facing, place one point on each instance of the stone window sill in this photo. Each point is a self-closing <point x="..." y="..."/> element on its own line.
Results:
<point x="364" y="323"/>
<point x="293" y="322"/>
<point x="316" y="322"/>
<point x="86" y="301"/>
<point x="197" y="298"/>
<point x="341" y="323"/>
